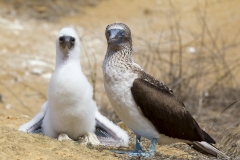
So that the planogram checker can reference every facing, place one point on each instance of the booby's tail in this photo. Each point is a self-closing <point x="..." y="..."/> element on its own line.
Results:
<point x="108" y="133"/>
<point x="207" y="148"/>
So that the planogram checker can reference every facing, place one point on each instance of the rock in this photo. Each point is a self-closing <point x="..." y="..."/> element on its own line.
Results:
<point x="190" y="49"/>
<point x="8" y="106"/>
<point x="36" y="71"/>
<point x="89" y="138"/>
<point x="63" y="136"/>
<point x="86" y="139"/>
<point x="37" y="63"/>
<point x="46" y="75"/>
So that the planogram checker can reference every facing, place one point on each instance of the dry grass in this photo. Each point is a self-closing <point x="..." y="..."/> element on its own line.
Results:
<point x="179" y="46"/>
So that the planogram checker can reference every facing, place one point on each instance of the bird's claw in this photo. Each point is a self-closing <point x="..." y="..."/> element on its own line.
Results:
<point x="136" y="153"/>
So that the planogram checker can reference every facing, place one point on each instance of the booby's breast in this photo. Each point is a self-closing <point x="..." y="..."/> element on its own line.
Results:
<point x="117" y="85"/>
<point x="71" y="108"/>
<point x="69" y="85"/>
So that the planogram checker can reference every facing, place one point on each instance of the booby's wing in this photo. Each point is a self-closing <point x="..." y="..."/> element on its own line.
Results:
<point x="106" y="131"/>
<point x="34" y="125"/>
<point x="165" y="110"/>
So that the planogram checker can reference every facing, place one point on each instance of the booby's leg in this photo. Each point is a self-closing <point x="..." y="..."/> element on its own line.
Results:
<point x="152" y="148"/>
<point x="141" y="153"/>
<point x="138" y="147"/>
<point x="138" y="151"/>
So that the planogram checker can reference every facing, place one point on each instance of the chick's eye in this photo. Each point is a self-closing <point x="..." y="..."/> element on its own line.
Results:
<point x="61" y="39"/>
<point x="72" y="40"/>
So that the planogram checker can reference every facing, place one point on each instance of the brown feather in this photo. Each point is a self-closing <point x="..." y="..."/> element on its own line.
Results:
<point x="165" y="110"/>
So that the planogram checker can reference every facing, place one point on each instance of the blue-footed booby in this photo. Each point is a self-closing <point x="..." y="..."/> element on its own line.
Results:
<point x="147" y="106"/>
<point x="70" y="108"/>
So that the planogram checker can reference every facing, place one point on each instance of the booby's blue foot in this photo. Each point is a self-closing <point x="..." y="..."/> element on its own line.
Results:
<point x="140" y="154"/>
<point x="135" y="153"/>
<point x="152" y="148"/>
<point x="138" y="151"/>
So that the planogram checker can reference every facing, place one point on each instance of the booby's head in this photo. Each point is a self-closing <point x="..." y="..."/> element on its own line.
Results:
<point x="118" y="36"/>
<point x="67" y="43"/>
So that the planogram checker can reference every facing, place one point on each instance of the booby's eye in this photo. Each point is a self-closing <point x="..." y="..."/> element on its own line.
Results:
<point x="61" y="39"/>
<point x="107" y="32"/>
<point x="72" y="39"/>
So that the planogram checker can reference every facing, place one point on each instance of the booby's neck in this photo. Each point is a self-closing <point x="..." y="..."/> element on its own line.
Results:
<point x="63" y="58"/>
<point x="120" y="58"/>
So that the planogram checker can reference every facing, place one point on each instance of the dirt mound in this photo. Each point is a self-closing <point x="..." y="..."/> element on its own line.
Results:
<point x="19" y="145"/>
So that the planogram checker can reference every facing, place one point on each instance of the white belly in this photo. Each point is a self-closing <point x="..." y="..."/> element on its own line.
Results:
<point x="74" y="120"/>
<point x="71" y="109"/>
<point x="119" y="93"/>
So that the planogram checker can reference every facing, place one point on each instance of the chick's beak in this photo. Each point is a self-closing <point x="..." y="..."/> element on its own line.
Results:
<point x="67" y="41"/>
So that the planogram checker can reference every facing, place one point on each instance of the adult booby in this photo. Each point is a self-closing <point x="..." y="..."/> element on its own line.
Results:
<point x="147" y="106"/>
<point x="70" y="108"/>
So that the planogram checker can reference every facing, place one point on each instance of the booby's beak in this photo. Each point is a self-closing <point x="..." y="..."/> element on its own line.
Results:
<point x="115" y="35"/>
<point x="68" y="41"/>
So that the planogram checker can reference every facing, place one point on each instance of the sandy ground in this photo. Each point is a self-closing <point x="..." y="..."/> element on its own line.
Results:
<point x="19" y="145"/>
<point x="27" y="60"/>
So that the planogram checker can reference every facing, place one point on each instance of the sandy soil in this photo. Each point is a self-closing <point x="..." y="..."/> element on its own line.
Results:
<point x="27" y="60"/>
<point x="19" y="145"/>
